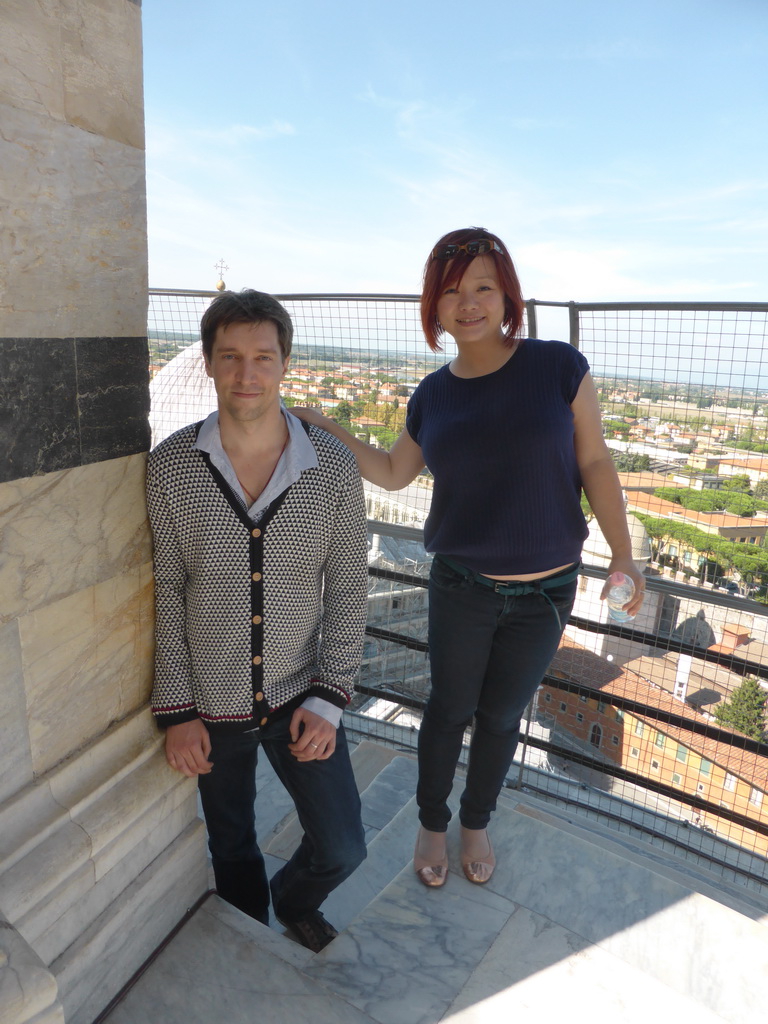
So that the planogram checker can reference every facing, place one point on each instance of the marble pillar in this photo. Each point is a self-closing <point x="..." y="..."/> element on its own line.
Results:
<point x="101" y="851"/>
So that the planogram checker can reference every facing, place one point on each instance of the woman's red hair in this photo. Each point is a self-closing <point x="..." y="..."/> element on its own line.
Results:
<point x="442" y="274"/>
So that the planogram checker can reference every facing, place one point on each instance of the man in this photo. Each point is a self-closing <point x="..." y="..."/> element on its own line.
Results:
<point x="261" y="583"/>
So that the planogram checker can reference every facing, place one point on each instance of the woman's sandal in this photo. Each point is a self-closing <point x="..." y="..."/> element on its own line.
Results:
<point x="477" y="859"/>
<point x="431" y="866"/>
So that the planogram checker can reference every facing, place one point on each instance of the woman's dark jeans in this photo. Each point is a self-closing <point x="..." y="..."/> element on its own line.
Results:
<point x="488" y="653"/>
<point x="328" y="806"/>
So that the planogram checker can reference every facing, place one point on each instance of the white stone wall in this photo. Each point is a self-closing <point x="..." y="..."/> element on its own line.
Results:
<point x="73" y="246"/>
<point x="101" y="850"/>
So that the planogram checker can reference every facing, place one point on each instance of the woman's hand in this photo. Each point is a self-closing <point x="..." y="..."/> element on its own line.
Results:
<point x="310" y="415"/>
<point x="389" y="469"/>
<point x="628" y="567"/>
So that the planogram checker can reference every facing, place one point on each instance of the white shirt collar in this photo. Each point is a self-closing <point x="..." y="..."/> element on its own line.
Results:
<point x="298" y="455"/>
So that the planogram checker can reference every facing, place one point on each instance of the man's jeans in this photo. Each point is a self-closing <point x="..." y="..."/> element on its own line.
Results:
<point x="328" y="806"/>
<point x="488" y="653"/>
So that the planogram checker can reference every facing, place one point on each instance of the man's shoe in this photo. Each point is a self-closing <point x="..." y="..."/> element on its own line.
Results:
<point x="312" y="931"/>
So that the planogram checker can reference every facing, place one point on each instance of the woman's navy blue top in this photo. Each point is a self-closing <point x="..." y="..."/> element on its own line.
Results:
<point x="500" y="447"/>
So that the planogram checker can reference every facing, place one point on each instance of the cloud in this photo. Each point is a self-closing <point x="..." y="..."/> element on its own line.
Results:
<point x="235" y="134"/>
<point x="166" y="142"/>
<point x="364" y="220"/>
<point x="556" y="271"/>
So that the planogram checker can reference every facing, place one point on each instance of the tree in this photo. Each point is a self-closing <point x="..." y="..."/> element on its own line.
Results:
<point x="745" y="710"/>
<point x="741" y="482"/>
<point x="343" y="415"/>
<point x="630" y="462"/>
<point x="761" y="491"/>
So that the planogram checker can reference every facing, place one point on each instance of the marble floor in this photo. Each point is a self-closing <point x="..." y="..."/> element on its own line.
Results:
<point x="575" y="923"/>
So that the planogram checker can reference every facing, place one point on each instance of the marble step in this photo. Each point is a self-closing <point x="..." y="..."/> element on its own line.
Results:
<point x="688" y="870"/>
<point x="223" y="956"/>
<point x="95" y="966"/>
<point x="570" y="918"/>
<point x="389" y="817"/>
<point x="648" y="824"/>
<point x="387" y="782"/>
<point x="394" y="833"/>
<point x="372" y="765"/>
<point x="563" y="916"/>
<point x="225" y="967"/>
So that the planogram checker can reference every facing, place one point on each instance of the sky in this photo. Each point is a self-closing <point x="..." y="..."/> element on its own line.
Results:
<point x="619" y="149"/>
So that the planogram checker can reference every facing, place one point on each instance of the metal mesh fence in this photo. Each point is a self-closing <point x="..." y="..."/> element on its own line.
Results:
<point x="629" y="722"/>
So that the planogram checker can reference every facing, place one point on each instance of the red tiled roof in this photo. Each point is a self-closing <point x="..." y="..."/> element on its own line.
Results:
<point x="569" y="662"/>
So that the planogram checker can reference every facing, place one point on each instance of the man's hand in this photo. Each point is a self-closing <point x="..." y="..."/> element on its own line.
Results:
<point x="314" y="738"/>
<point x="187" y="747"/>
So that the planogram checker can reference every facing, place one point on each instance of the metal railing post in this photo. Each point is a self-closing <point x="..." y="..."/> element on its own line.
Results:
<point x="573" y="320"/>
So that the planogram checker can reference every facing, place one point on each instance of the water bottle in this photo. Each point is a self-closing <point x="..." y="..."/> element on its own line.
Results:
<point x="622" y="589"/>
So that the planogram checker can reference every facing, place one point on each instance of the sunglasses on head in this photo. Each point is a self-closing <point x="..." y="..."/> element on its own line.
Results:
<point x="476" y="248"/>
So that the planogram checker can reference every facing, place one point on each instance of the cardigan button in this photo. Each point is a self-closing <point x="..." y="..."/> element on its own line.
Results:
<point x="256" y="577"/>
<point x="256" y="620"/>
<point x="259" y="695"/>
<point x="257" y="660"/>
<point x="256" y="532"/>
<point x="263" y="721"/>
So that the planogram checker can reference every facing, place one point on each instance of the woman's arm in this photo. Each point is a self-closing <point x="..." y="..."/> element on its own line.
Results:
<point x="602" y="488"/>
<point x="391" y="469"/>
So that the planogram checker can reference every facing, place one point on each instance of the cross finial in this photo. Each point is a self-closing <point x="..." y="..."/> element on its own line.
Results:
<point x="221" y="266"/>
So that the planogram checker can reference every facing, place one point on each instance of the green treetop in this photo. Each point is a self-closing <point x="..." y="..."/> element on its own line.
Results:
<point x="745" y="710"/>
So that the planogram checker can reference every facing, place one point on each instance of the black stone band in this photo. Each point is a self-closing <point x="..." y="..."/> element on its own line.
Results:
<point x="68" y="402"/>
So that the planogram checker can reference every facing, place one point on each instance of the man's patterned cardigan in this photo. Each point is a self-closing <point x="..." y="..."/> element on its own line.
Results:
<point x="253" y="617"/>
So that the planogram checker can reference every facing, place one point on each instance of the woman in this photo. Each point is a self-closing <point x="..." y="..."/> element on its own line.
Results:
<point x="510" y="430"/>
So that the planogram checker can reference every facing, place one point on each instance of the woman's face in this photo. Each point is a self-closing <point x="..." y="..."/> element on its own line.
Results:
<point x="472" y="311"/>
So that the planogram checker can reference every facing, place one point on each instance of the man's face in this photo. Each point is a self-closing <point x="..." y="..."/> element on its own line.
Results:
<point x="246" y="366"/>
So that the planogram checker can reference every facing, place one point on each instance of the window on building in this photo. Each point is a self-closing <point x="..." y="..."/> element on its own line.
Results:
<point x="615" y="740"/>
<point x="634" y="752"/>
<point x="756" y="798"/>
<point x="700" y="787"/>
<point x="619" y="715"/>
<point x="638" y="727"/>
<point x="596" y="736"/>
<point x="582" y="698"/>
<point x="655" y="764"/>
<point x="730" y="782"/>
<point x="682" y="754"/>
<point x="601" y="706"/>
<point x="579" y="716"/>
<point x="659" y="741"/>
<point x="706" y="766"/>
<point x="548" y="698"/>
<point x="677" y="779"/>
<point x="563" y="706"/>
